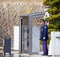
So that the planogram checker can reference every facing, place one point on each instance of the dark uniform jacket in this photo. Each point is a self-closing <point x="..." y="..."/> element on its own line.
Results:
<point x="44" y="32"/>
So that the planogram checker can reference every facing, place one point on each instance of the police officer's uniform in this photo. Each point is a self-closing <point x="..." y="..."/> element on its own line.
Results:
<point x="44" y="38"/>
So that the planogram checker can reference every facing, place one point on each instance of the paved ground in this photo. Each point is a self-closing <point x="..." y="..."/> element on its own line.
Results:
<point x="36" y="55"/>
<point x="39" y="56"/>
<point x="33" y="55"/>
<point x="27" y="55"/>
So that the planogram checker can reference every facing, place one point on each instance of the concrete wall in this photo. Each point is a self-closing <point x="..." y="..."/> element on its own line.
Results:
<point x="10" y="11"/>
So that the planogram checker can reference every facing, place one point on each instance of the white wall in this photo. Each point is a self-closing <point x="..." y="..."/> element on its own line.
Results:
<point x="16" y="37"/>
<point x="54" y="47"/>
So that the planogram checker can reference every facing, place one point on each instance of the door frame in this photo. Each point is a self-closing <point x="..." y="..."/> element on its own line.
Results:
<point x="30" y="16"/>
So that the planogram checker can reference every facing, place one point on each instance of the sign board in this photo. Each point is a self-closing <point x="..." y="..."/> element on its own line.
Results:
<point x="7" y="46"/>
<point x="54" y="47"/>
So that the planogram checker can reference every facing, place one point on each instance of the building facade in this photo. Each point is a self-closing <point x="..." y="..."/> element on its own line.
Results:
<point x="10" y="11"/>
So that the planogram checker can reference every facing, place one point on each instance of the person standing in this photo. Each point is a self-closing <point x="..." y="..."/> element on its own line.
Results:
<point x="44" y="36"/>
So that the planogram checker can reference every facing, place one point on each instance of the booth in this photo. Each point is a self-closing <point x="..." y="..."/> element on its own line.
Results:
<point x="30" y="32"/>
<point x="54" y="47"/>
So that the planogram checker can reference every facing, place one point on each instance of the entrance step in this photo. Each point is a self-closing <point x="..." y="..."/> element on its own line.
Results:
<point x="24" y="55"/>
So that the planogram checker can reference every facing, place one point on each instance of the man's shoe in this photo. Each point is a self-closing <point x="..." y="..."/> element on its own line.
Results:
<point x="45" y="54"/>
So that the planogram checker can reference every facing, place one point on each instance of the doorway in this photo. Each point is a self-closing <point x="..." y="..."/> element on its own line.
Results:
<point x="30" y="33"/>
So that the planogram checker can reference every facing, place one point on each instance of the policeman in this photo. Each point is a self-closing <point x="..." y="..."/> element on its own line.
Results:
<point x="44" y="36"/>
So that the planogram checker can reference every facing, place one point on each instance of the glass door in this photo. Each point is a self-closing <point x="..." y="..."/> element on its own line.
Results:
<point x="34" y="33"/>
<point x="25" y="35"/>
